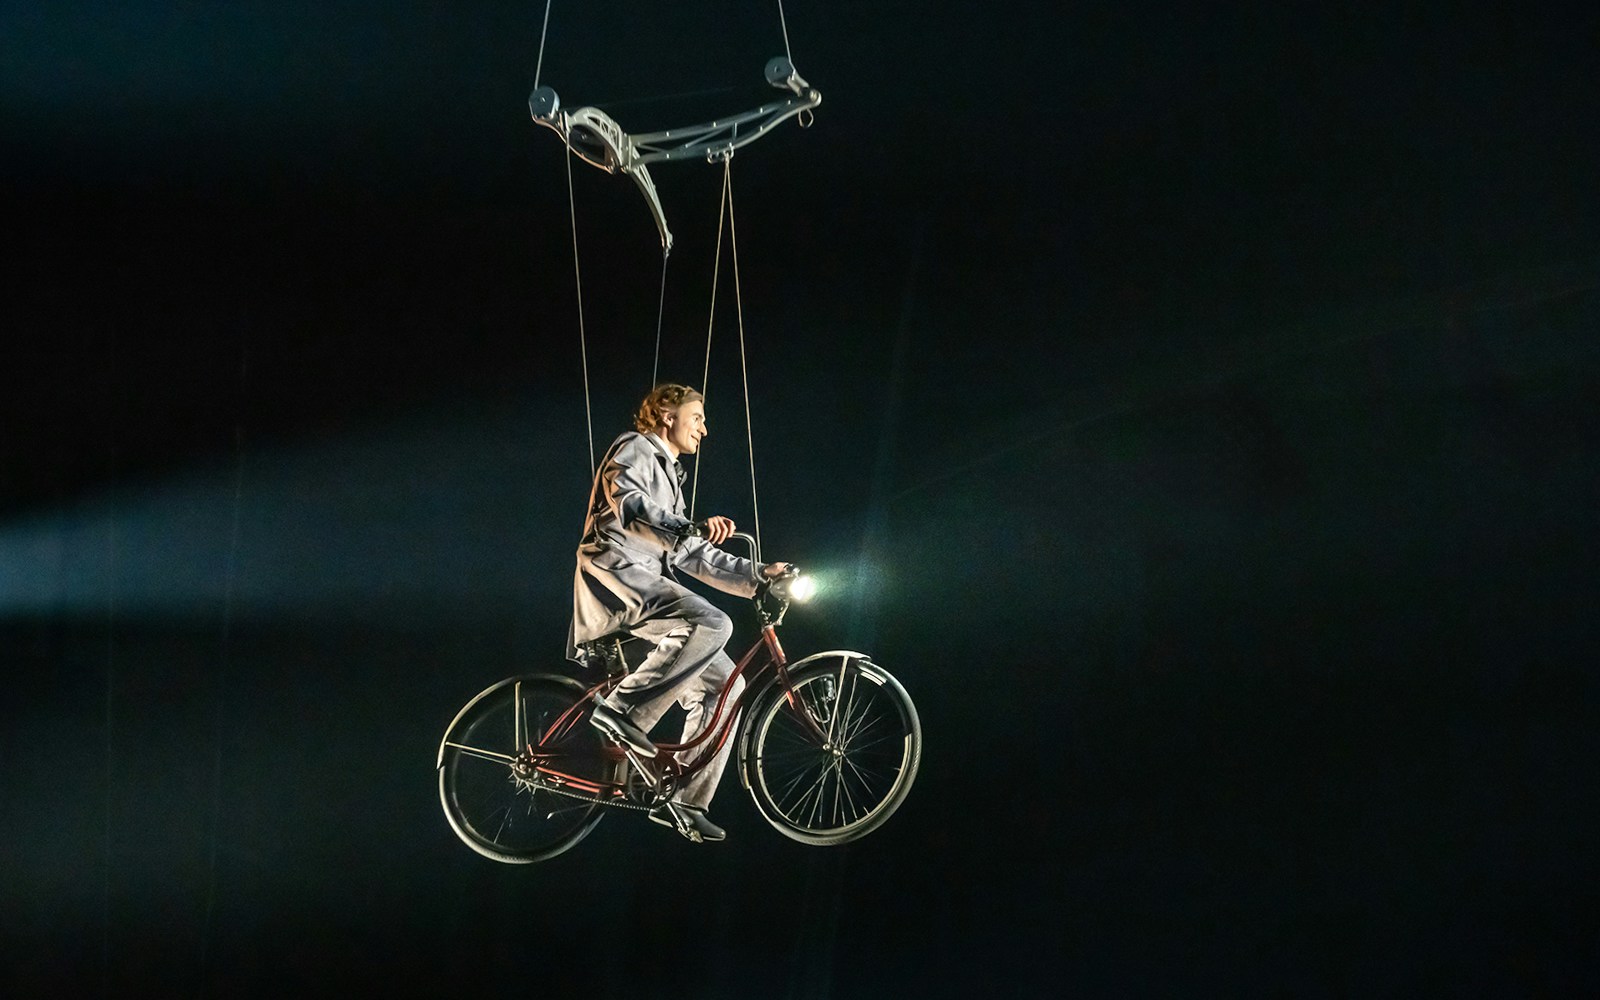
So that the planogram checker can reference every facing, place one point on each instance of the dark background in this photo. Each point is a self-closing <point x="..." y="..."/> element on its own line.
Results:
<point x="1193" y="407"/>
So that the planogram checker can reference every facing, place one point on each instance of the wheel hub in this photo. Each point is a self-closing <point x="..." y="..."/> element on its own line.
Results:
<point x="526" y="774"/>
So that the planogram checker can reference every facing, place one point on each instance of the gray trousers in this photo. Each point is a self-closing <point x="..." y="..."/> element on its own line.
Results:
<point x="688" y="666"/>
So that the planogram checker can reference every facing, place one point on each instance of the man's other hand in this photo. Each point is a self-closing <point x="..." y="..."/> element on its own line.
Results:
<point x="718" y="529"/>
<point x="775" y="570"/>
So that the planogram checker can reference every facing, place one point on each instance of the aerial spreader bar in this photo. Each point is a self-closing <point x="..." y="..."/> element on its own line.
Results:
<point x="596" y="138"/>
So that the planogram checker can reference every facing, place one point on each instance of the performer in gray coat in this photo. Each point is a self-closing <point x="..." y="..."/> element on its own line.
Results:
<point x="633" y="540"/>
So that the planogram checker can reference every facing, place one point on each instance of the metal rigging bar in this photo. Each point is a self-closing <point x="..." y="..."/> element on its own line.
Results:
<point x="596" y="138"/>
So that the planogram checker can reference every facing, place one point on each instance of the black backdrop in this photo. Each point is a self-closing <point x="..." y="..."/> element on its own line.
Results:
<point x="1193" y="408"/>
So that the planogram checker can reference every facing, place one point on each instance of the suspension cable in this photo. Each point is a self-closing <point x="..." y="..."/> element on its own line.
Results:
<point x="661" y="306"/>
<point x="744" y="371"/>
<point x="583" y="343"/>
<point x="577" y="269"/>
<point x="716" y="269"/>
<point x="724" y="209"/>
<point x="781" y="20"/>
<point x="539" y="66"/>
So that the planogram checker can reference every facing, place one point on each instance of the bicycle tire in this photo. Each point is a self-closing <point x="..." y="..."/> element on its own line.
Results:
<point x="488" y="808"/>
<point x="859" y="779"/>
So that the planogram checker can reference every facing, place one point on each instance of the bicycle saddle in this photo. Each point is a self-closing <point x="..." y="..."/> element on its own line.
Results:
<point x="606" y="653"/>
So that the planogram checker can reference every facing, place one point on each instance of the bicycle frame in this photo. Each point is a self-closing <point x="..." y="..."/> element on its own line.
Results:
<point x="553" y="748"/>
<point x="665" y="763"/>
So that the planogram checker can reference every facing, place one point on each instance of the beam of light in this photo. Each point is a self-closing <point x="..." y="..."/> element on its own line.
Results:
<point x="857" y="580"/>
<point x="462" y="516"/>
<point x="445" y="516"/>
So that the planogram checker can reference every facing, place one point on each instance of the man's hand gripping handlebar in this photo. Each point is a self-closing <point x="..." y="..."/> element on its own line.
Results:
<point x="717" y="530"/>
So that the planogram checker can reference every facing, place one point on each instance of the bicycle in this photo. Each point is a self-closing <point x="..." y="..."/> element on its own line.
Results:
<point x="828" y="748"/>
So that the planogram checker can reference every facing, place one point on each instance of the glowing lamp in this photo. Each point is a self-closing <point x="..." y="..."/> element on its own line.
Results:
<point x="795" y="588"/>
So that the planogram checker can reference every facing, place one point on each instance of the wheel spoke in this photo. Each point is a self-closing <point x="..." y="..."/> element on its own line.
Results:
<point x="823" y="795"/>
<point x="512" y="818"/>
<point x="798" y="719"/>
<point x="577" y="805"/>
<point x="800" y="771"/>
<point x="499" y="758"/>
<point x="518" y="730"/>
<point x="800" y="775"/>
<point x="858" y="718"/>
<point x="862" y="776"/>
<point x="505" y="819"/>
<point x="485" y="802"/>
<point x="821" y="788"/>
<point x="815" y="786"/>
<point x="861" y="728"/>
<point x="845" y="706"/>
<point x="858" y="749"/>
<point x="794" y="732"/>
<point x="855" y="810"/>
<point x="868" y="773"/>
<point x="780" y="764"/>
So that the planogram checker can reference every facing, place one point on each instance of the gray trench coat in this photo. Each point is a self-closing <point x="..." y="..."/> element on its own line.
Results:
<point x="631" y="548"/>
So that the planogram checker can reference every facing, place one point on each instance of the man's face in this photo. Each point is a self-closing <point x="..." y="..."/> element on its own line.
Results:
<point x="685" y="426"/>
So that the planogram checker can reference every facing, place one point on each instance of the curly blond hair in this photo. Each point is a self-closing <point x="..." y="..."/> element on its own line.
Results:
<point x="663" y="399"/>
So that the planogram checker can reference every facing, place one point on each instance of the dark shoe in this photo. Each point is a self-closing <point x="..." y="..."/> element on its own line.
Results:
<point x="691" y="821"/>
<point x="616" y="725"/>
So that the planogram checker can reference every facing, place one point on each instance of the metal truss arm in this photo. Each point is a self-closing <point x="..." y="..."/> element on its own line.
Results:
<point x="597" y="139"/>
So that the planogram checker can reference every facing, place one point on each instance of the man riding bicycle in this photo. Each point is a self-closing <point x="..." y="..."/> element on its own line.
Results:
<point x="634" y="537"/>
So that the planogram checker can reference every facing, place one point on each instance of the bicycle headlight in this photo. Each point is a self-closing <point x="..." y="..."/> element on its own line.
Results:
<point x="795" y="588"/>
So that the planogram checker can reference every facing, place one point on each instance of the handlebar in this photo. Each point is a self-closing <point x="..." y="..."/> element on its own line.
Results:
<point x="750" y="543"/>
<point x="772" y="594"/>
<point x="697" y="529"/>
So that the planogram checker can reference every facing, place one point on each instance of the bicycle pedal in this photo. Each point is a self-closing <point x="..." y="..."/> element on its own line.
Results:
<point x="668" y="815"/>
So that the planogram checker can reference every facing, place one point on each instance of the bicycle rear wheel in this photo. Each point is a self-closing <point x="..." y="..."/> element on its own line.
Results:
<point x="847" y="783"/>
<point x="497" y="801"/>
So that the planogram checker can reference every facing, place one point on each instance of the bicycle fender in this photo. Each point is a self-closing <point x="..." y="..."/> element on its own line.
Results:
<point x="758" y="697"/>
<point x="578" y="691"/>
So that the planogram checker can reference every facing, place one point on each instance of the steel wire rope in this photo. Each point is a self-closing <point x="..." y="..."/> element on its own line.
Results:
<point x="538" y="67"/>
<point x="661" y="306"/>
<point x="725" y="205"/>
<point x="744" y="369"/>
<point x="784" y="22"/>
<point x="577" y="267"/>
<point x="583" y="343"/>
<point x="705" y="379"/>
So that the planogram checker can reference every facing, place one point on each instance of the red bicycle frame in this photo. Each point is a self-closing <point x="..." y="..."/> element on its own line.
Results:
<point x="666" y="762"/>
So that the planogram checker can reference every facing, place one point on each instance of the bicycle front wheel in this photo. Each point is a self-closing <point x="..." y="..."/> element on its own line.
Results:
<point x="840" y="775"/>
<point x="506" y="804"/>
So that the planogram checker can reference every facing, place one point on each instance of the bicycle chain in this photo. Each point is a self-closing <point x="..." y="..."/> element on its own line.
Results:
<point x="608" y="803"/>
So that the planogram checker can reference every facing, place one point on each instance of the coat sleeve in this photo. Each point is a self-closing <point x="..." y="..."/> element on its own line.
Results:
<point x="627" y="485"/>
<point x="723" y="570"/>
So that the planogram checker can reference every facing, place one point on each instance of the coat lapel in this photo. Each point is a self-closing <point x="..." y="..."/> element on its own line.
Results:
<point x="669" y="468"/>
